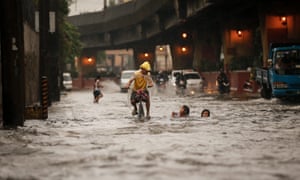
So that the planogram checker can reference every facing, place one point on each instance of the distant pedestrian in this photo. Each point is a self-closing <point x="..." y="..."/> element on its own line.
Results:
<point x="96" y="90"/>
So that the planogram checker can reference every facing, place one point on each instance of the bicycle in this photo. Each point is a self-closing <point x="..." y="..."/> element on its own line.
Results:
<point x="141" y="97"/>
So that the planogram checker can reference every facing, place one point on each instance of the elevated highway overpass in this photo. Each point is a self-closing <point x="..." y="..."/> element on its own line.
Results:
<point x="212" y="26"/>
<point x="125" y="25"/>
<point x="143" y="24"/>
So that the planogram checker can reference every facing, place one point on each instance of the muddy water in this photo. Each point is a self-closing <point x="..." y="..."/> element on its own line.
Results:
<point x="252" y="139"/>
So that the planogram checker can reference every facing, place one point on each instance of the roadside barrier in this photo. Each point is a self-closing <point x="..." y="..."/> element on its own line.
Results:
<point x="45" y="97"/>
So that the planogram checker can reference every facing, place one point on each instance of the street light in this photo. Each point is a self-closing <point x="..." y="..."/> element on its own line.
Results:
<point x="239" y="33"/>
<point x="184" y="35"/>
<point x="88" y="61"/>
<point x="183" y="49"/>
<point x="283" y="20"/>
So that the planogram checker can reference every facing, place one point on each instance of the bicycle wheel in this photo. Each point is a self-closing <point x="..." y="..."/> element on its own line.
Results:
<point x="141" y="113"/>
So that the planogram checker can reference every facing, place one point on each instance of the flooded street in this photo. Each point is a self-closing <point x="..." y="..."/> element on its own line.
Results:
<point x="243" y="139"/>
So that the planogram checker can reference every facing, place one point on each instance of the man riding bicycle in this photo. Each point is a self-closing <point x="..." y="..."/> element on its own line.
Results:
<point x="142" y="80"/>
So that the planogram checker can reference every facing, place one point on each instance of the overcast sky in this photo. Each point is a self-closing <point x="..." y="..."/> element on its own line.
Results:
<point x="83" y="6"/>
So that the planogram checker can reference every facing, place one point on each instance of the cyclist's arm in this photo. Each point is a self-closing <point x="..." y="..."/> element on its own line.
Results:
<point x="149" y="81"/>
<point x="130" y="81"/>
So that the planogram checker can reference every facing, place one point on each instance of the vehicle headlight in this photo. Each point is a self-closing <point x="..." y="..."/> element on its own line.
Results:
<point x="280" y="85"/>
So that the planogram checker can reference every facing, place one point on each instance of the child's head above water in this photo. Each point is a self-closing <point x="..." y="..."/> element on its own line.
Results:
<point x="205" y="113"/>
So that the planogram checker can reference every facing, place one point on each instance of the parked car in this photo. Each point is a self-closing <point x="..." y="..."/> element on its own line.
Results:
<point x="67" y="81"/>
<point x="194" y="82"/>
<point x="125" y="77"/>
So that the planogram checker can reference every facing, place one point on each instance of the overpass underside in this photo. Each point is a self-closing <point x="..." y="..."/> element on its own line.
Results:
<point x="219" y="32"/>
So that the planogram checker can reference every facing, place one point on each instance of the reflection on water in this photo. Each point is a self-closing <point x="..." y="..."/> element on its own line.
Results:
<point x="253" y="139"/>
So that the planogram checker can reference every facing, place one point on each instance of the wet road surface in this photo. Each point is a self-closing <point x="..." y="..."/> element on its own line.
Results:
<point x="252" y="139"/>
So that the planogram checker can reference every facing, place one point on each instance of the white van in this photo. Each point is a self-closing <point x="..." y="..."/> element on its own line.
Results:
<point x="125" y="77"/>
<point x="67" y="81"/>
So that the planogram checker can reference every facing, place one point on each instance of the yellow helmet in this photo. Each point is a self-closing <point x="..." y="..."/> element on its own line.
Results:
<point x="146" y="65"/>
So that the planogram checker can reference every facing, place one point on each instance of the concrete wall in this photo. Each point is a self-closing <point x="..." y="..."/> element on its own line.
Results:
<point x="207" y="44"/>
<point x="31" y="58"/>
<point x="235" y="45"/>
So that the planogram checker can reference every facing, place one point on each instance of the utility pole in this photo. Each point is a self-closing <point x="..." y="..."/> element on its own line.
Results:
<point x="12" y="58"/>
<point x="54" y="74"/>
<point x="49" y="65"/>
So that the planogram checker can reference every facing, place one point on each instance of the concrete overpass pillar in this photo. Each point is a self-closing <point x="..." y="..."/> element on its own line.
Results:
<point x="182" y="55"/>
<point x="49" y="47"/>
<point x="207" y="45"/>
<point x="197" y="49"/>
<point x="237" y="43"/>
<point x="142" y="54"/>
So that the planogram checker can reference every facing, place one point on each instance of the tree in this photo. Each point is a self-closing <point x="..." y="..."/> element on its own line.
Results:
<point x="69" y="36"/>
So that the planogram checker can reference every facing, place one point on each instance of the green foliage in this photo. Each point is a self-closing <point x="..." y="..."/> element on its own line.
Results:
<point x="112" y="2"/>
<point x="63" y="6"/>
<point x="101" y="57"/>
<point x="70" y="43"/>
<point x="36" y="3"/>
